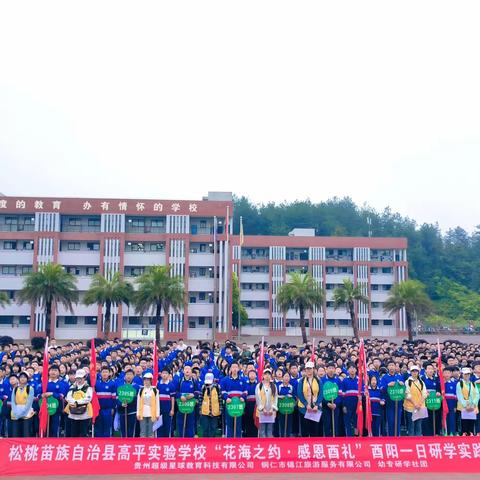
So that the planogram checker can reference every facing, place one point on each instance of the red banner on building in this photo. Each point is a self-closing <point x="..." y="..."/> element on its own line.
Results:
<point x="70" y="456"/>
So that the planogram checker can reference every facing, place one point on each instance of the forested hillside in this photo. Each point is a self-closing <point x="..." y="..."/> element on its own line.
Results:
<point x="449" y="263"/>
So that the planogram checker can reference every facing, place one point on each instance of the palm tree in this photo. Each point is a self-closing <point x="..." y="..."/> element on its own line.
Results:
<point x="301" y="293"/>
<point x="158" y="289"/>
<point x="410" y="295"/>
<point x="103" y="291"/>
<point x="4" y="300"/>
<point x="345" y="296"/>
<point x="49" y="285"/>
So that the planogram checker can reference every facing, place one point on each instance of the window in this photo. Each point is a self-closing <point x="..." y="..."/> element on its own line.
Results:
<point x="134" y="321"/>
<point x="10" y="245"/>
<point x="191" y="324"/>
<point x="11" y="221"/>
<point x="386" y="270"/>
<point x="8" y="270"/>
<point x="73" y="270"/>
<point x="70" y="320"/>
<point x="157" y="223"/>
<point x="343" y="322"/>
<point x="93" y="246"/>
<point x="376" y="305"/>
<point x="73" y="246"/>
<point x="193" y="299"/>
<point x="26" y="269"/>
<point x="93" y="222"/>
<point x="330" y="269"/>
<point x="203" y="247"/>
<point x="330" y="286"/>
<point x="28" y="245"/>
<point x="330" y="322"/>
<point x="156" y="247"/>
<point x="375" y="287"/>
<point x="374" y="270"/>
<point x="201" y="295"/>
<point x="375" y="322"/>
<point x="24" y="320"/>
<point x="90" y="320"/>
<point x="6" y="320"/>
<point x="137" y="222"/>
<point x="74" y="222"/>
<point x="386" y="288"/>
<point x="388" y="322"/>
<point x="330" y="304"/>
<point x="201" y="320"/>
<point x="92" y="270"/>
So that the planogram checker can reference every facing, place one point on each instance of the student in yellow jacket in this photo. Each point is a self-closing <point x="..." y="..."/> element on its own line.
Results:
<point x="148" y="406"/>
<point x="210" y="408"/>
<point x="414" y="403"/>
<point x="22" y="411"/>
<point x="467" y="395"/>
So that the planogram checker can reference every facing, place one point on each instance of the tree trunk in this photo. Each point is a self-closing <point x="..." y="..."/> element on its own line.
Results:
<point x="302" y="326"/>
<point x="409" y="327"/>
<point x="353" y="319"/>
<point x="108" y="308"/>
<point x="48" y="319"/>
<point x="158" y="318"/>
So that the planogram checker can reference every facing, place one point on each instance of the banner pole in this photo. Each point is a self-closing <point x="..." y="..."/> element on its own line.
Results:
<point x="333" y="422"/>
<point x="434" y="429"/>
<point x="126" y="423"/>
<point x="396" y="418"/>
<point x="234" y="427"/>
<point x="285" y="429"/>
<point x="184" y="424"/>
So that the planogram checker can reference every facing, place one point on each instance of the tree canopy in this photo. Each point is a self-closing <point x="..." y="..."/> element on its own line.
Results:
<point x="448" y="264"/>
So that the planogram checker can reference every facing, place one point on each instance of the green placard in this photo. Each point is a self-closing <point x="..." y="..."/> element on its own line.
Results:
<point x="286" y="405"/>
<point x="126" y="393"/>
<point x="330" y="391"/>
<point x="236" y="407"/>
<point x="1" y="404"/>
<point x="396" y="392"/>
<point x="52" y="405"/>
<point x="432" y="402"/>
<point x="186" y="407"/>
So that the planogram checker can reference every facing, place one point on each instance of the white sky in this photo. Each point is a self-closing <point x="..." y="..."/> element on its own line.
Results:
<point x="277" y="100"/>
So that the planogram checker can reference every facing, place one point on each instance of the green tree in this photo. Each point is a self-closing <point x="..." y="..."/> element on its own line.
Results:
<point x="236" y="303"/>
<point x="103" y="291"/>
<point x="49" y="285"/>
<point x="158" y="289"/>
<point x="301" y="293"/>
<point x="4" y="300"/>
<point x="410" y="295"/>
<point x="346" y="296"/>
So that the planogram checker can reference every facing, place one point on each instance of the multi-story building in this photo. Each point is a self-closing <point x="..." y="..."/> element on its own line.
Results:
<point x="88" y="236"/>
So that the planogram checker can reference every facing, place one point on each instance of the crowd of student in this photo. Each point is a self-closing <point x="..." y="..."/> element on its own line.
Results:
<point x="216" y="376"/>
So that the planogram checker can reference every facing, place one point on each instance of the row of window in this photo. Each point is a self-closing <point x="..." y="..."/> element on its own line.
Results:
<point x="17" y="245"/>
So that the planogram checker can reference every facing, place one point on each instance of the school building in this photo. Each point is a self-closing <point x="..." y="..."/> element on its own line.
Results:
<point x="91" y="235"/>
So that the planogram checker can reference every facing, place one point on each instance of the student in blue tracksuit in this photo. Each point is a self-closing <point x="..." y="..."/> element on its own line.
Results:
<point x="285" y="390"/>
<point x="58" y="389"/>
<point x="350" y="400"/>
<point x="432" y="384"/>
<point x="377" y="404"/>
<point x="185" y="389"/>
<point x="451" y="398"/>
<point x="128" y="411"/>
<point x="106" y="393"/>
<point x="166" y="393"/>
<point x="331" y="422"/>
<point x="250" y="429"/>
<point x="233" y="386"/>
<point x="5" y="393"/>
<point x="389" y="380"/>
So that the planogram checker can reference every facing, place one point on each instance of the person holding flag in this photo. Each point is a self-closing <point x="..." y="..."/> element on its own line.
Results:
<point x="443" y="389"/>
<point x="43" y="413"/>
<point x="93" y="381"/>
<point x="332" y="408"/>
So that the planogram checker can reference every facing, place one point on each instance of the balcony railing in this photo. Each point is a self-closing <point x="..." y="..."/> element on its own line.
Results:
<point x="80" y="228"/>
<point x="14" y="227"/>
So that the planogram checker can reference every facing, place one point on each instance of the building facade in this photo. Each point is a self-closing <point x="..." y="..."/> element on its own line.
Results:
<point x="88" y="236"/>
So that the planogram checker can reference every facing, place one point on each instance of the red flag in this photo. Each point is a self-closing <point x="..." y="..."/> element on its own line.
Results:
<point x="155" y="363"/>
<point x="43" y="414"/>
<point x="261" y="361"/>
<point x="363" y="382"/>
<point x="93" y="381"/>
<point x="360" y="388"/>
<point x="312" y="359"/>
<point x="442" y="388"/>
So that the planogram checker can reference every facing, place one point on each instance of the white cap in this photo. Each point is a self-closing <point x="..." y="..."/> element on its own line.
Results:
<point x="209" y="378"/>
<point x="309" y="365"/>
<point x="414" y="367"/>
<point x="147" y="375"/>
<point x="466" y="370"/>
<point x="80" y="373"/>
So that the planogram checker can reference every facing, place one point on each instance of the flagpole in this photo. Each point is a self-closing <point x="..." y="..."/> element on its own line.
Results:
<point x="238" y="278"/>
